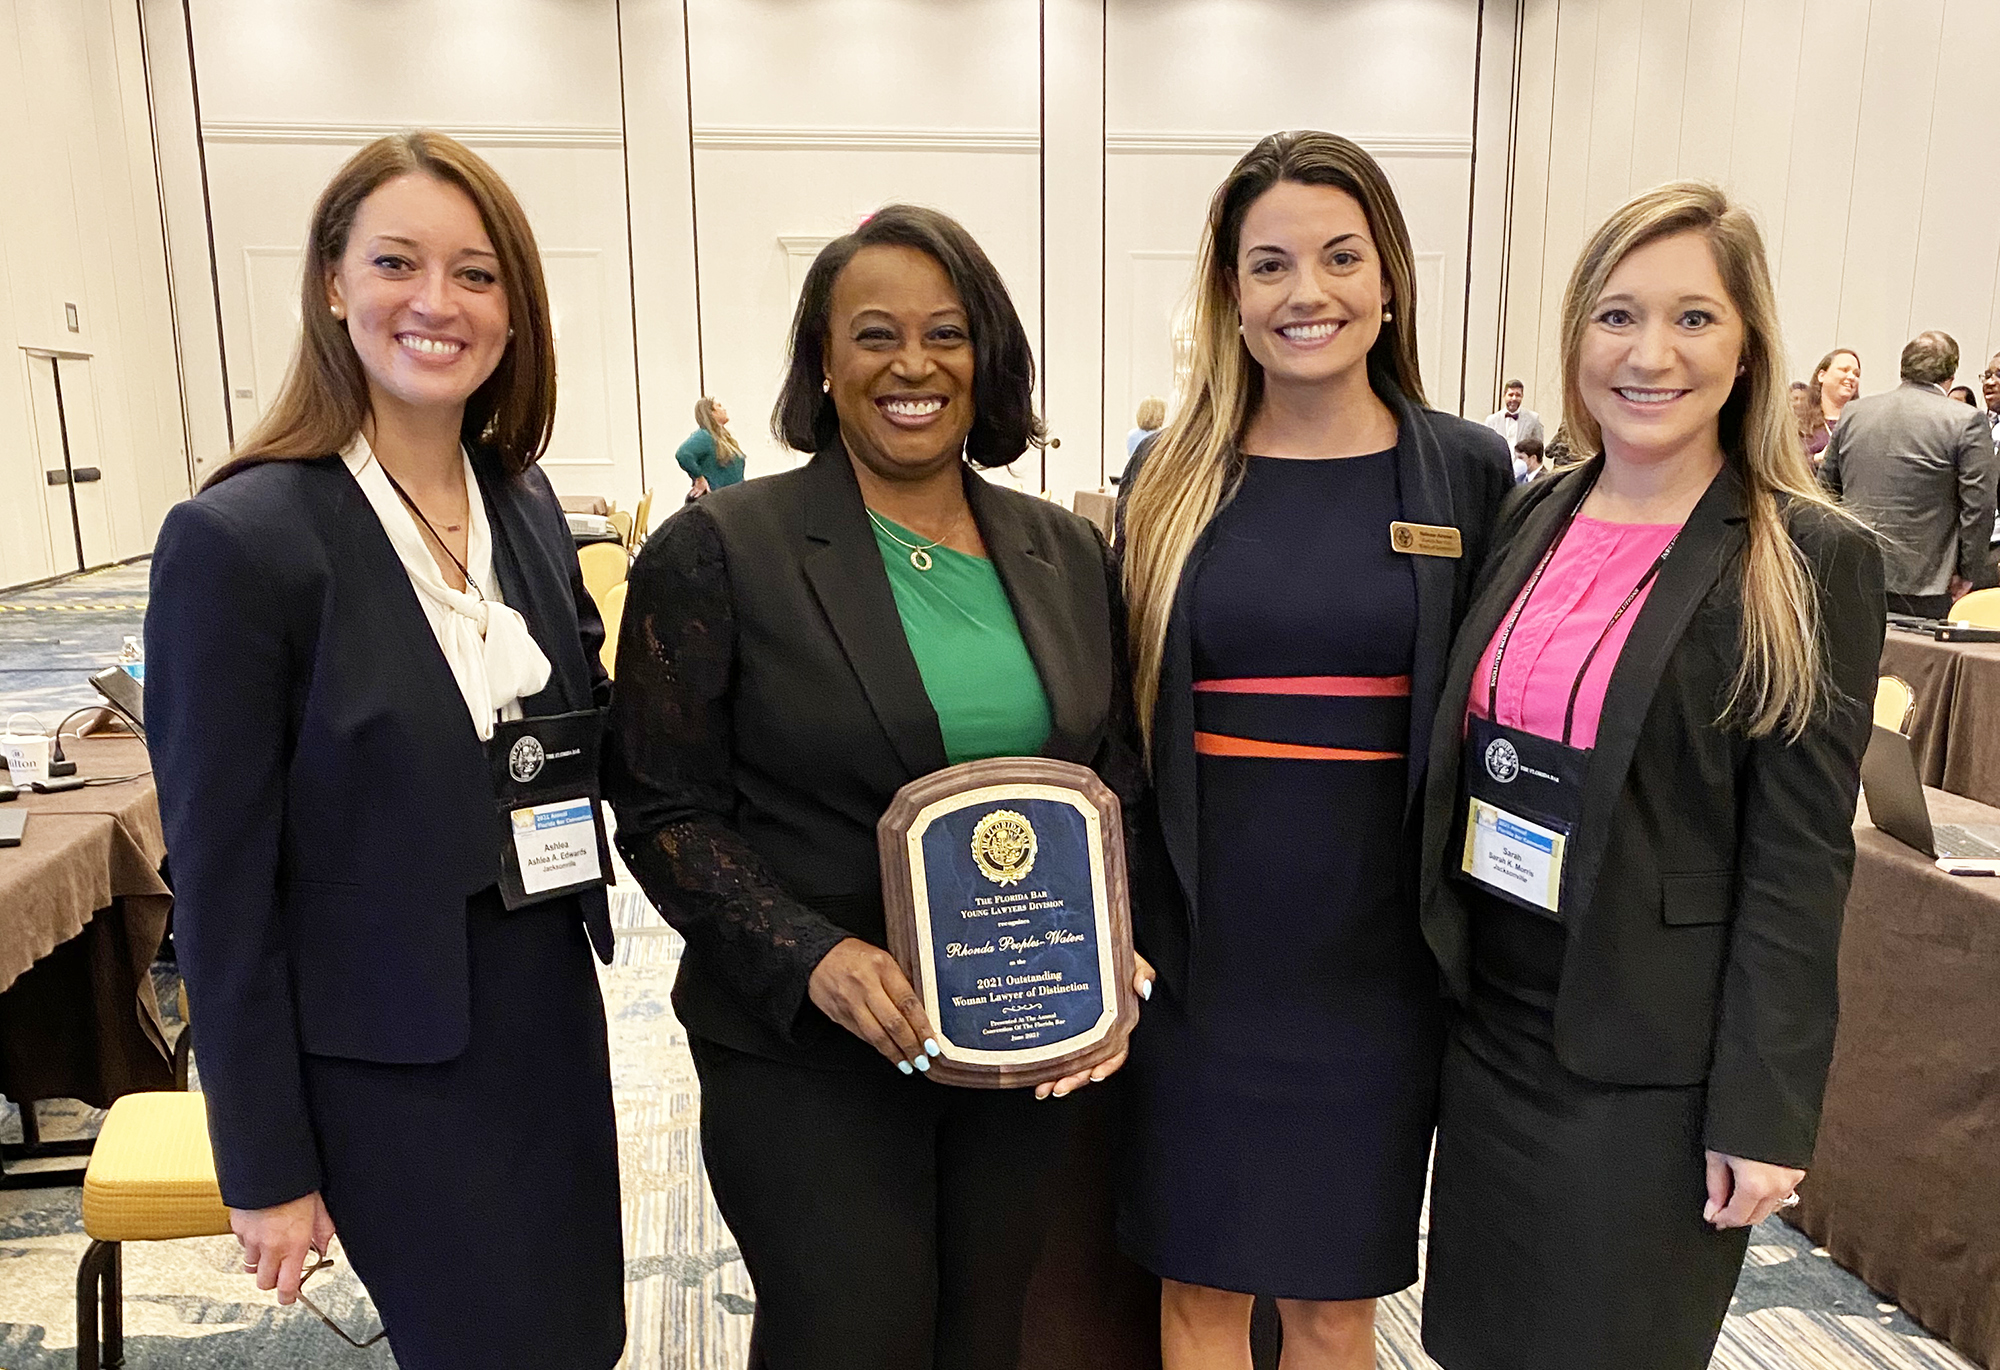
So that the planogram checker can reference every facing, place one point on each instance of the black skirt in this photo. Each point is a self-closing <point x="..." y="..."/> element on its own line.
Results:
<point x="478" y="1198"/>
<point x="1565" y="1225"/>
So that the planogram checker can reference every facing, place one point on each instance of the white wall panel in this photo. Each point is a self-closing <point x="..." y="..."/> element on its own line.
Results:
<point x="1842" y="124"/>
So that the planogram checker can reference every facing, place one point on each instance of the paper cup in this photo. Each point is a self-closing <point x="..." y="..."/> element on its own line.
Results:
<point x="26" y="754"/>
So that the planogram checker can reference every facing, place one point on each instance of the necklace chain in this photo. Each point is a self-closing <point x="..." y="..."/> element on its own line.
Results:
<point x="920" y="555"/>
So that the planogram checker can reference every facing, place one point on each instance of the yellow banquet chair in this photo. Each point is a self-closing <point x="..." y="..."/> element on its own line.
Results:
<point x="621" y="524"/>
<point x="1981" y="607"/>
<point x="612" y="607"/>
<point x="639" y="528"/>
<point x="1895" y="704"/>
<point x="604" y="565"/>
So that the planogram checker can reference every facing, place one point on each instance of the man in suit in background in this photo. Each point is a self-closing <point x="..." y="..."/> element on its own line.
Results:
<point x="1922" y="472"/>
<point x="1514" y="423"/>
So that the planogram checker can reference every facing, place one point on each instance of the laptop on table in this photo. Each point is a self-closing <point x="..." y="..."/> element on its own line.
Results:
<point x="1896" y="805"/>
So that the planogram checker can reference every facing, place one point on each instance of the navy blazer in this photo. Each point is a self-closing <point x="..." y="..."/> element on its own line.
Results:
<point x="326" y="801"/>
<point x="1450" y="472"/>
<point x="1703" y="894"/>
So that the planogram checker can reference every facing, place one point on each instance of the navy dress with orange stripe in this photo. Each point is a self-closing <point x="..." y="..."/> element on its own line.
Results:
<point x="1284" y="1106"/>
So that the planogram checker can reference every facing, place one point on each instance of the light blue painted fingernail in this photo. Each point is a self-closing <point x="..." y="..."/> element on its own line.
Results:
<point x="930" y="1045"/>
<point x="905" y="1067"/>
<point x="923" y="1063"/>
<point x="1146" y="989"/>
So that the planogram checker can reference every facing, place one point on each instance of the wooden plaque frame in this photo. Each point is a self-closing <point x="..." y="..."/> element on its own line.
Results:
<point x="984" y="782"/>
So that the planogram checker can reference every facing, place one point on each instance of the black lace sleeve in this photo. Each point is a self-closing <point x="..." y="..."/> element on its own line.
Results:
<point x="669" y="778"/>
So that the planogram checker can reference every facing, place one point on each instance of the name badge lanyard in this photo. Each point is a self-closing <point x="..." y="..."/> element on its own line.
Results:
<point x="544" y="772"/>
<point x="1525" y="791"/>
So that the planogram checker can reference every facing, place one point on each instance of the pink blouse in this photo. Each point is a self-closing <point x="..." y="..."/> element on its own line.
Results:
<point x="1592" y="572"/>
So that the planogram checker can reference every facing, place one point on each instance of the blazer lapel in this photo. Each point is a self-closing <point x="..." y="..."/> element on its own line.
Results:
<point x="1046" y="610"/>
<point x="844" y="567"/>
<point x="407" y="643"/>
<point x="1712" y="535"/>
<point x="529" y="582"/>
<point x="1424" y="488"/>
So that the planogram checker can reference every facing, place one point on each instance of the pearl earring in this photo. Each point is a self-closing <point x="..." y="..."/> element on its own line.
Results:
<point x="825" y="386"/>
<point x="334" y="309"/>
<point x="1388" y="316"/>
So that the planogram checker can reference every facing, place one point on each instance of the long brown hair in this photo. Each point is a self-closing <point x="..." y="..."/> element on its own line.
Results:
<point x="1780" y="681"/>
<point x="324" y="398"/>
<point x="1195" y="464"/>
<point x="727" y="453"/>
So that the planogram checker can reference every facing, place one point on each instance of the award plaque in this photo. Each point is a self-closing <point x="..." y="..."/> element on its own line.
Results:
<point x="1004" y="885"/>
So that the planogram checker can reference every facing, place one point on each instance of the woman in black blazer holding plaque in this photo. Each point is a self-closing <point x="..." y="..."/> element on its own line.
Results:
<point x="796" y="649"/>
<point x="1637" y="833"/>
<point x="1298" y="545"/>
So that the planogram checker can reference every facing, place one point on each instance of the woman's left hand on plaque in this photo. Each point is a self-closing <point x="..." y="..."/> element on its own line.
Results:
<point x="1142" y="985"/>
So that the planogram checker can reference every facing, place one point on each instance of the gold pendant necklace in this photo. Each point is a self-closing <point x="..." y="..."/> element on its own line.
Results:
<point x="920" y="556"/>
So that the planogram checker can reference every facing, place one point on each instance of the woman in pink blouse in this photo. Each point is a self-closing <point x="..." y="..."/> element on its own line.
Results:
<point x="1636" y="833"/>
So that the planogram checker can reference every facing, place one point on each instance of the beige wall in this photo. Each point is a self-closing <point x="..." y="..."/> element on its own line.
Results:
<point x="1853" y="128"/>
<point x="80" y="225"/>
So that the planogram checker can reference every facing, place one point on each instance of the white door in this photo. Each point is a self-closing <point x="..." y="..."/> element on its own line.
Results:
<point x="89" y="473"/>
<point x="69" y="452"/>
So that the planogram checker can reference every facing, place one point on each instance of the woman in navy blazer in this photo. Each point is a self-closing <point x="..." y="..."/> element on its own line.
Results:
<point x="336" y="621"/>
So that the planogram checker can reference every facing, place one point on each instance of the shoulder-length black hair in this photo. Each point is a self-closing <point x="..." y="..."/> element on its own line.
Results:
<point x="1003" y="365"/>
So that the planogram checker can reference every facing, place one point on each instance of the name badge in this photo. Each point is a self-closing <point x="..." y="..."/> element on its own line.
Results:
<point x="1426" y="540"/>
<point x="556" y="845"/>
<point x="1513" y="855"/>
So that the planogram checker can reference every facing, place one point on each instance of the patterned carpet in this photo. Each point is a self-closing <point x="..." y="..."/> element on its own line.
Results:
<point x="688" y="1298"/>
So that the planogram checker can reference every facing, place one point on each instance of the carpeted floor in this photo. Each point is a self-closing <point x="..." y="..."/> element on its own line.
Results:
<point x="189" y="1307"/>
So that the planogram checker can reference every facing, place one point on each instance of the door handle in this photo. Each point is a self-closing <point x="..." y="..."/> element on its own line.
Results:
<point x="84" y="475"/>
<point x="56" y="477"/>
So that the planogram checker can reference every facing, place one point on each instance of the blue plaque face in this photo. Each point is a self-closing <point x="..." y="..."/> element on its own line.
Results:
<point x="1010" y="893"/>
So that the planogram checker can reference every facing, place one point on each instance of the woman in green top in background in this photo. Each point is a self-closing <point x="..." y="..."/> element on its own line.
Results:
<point x="710" y="455"/>
<point x="796" y="650"/>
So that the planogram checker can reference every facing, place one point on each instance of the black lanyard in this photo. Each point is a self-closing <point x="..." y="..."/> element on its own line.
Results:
<point x="412" y="504"/>
<point x="1520" y="607"/>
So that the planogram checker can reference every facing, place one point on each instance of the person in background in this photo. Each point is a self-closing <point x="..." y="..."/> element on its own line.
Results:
<point x="1812" y="425"/>
<point x="1151" y="418"/>
<point x="398" y="1039"/>
<point x="795" y="651"/>
<point x="1836" y="382"/>
<point x="1511" y="421"/>
<point x="1989" y="389"/>
<point x="710" y="455"/>
<point x="1528" y="456"/>
<point x="1297" y="545"/>
<point x="1922" y="472"/>
<point x="1963" y="394"/>
<point x="1637" y="835"/>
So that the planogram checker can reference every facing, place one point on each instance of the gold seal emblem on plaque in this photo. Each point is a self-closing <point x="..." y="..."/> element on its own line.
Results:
<point x="1003" y="847"/>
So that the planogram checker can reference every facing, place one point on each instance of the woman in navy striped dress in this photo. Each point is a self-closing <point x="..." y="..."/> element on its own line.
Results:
<point x="1298" y="545"/>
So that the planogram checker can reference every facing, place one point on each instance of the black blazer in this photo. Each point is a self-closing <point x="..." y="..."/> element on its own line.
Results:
<point x="768" y="708"/>
<point x="1450" y="472"/>
<point x="1703" y="894"/>
<point x="326" y="801"/>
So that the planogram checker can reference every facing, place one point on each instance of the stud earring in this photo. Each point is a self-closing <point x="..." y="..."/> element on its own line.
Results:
<point x="335" y="310"/>
<point x="825" y="386"/>
<point x="1388" y="316"/>
<point x="510" y="335"/>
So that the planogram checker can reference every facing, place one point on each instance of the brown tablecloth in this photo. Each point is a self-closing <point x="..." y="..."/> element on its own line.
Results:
<point x="82" y="912"/>
<point x="584" y="504"/>
<point x="1904" y="1188"/>
<point x="1957" y="724"/>
<point x="1099" y="506"/>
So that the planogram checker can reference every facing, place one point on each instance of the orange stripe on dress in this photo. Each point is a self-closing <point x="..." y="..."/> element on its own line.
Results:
<point x="1216" y="744"/>
<point x="1349" y="686"/>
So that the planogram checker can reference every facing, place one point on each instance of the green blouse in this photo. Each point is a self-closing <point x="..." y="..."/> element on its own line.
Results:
<point x="698" y="457"/>
<point x="975" y="667"/>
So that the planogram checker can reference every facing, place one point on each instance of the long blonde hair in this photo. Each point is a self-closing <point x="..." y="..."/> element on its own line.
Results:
<point x="727" y="453"/>
<point x="1195" y="463"/>
<point x="324" y="398"/>
<point x="1780" y="681"/>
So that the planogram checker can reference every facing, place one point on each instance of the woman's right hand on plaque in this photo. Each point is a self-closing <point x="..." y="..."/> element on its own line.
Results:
<point x="861" y="987"/>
